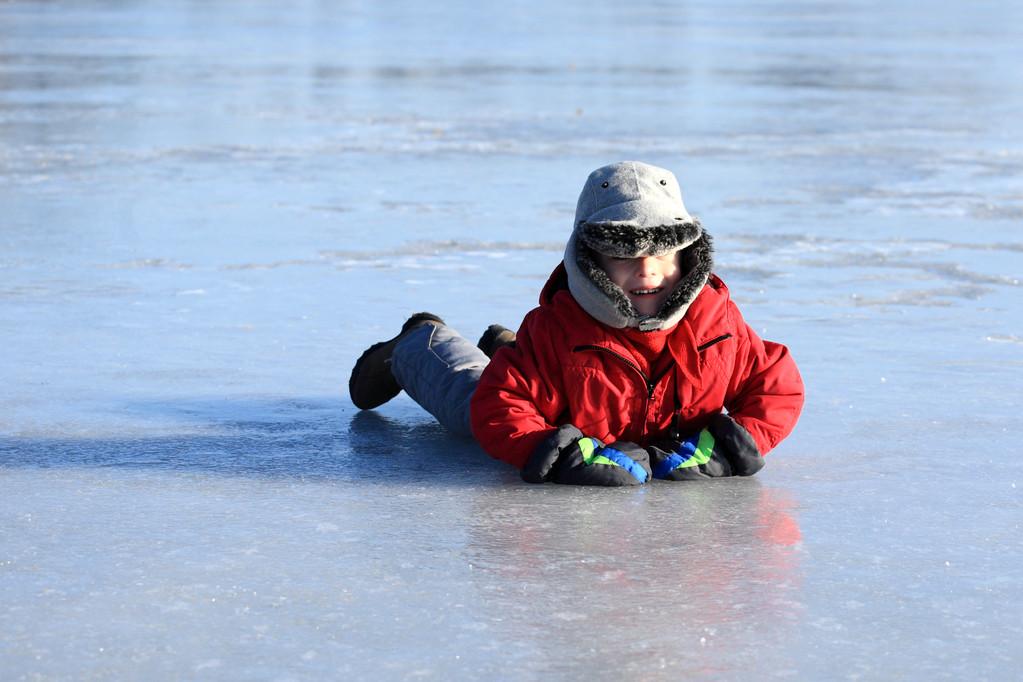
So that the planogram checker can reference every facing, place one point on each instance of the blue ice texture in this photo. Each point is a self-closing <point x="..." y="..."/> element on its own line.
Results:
<point x="208" y="210"/>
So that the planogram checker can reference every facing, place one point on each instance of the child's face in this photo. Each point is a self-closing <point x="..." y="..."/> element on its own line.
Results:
<point x="647" y="280"/>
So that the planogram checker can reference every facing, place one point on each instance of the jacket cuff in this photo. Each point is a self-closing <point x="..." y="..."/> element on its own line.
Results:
<point x="540" y="463"/>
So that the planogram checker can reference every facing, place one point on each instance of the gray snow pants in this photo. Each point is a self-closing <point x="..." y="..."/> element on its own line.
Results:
<point x="439" y="369"/>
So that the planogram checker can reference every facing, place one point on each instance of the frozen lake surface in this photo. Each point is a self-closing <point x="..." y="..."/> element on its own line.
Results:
<point x="208" y="210"/>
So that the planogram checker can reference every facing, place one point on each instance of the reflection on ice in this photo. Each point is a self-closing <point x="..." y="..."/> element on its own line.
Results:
<point x="696" y="578"/>
<point x="434" y="547"/>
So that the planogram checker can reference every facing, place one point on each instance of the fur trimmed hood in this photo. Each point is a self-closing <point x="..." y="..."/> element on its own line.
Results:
<point x="627" y="210"/>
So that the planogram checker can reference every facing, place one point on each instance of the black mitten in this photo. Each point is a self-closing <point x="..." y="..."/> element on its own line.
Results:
<point x="567" y="456"/>
<point x="724" y="448"/>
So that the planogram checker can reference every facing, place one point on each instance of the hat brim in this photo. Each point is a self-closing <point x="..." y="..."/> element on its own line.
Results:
<point x="622" y="239"/>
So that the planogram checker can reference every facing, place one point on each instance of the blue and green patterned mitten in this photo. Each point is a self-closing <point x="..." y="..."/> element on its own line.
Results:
<point x="569" y="457"/>
<point x="724" y="448"/>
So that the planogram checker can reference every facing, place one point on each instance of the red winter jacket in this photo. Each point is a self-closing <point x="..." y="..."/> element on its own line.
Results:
<point x="567" y="368"/>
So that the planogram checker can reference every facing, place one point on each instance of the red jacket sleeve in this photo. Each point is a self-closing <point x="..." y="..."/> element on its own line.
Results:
<point x="520" y="396"/>
<point x="765" y="393"/>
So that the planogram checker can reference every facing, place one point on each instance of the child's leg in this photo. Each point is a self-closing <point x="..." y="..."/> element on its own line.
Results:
<point x="440" y="370"/>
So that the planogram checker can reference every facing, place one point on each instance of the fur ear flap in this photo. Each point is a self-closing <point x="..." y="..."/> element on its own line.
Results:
<point x="616" y="297"/>
<point x="626" y="241"/>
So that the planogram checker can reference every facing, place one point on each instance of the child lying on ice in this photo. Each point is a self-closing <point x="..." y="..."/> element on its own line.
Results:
<point x="636" y="363"/>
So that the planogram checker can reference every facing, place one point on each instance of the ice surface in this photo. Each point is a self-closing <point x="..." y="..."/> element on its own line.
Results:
<point x="207" y="211"/>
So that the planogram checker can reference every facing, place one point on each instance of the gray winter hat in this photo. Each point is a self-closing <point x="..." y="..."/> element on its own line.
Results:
<point x="626" y="210"/>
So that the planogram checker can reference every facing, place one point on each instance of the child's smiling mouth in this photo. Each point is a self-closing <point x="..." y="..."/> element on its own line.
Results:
<point x="646" y="292"/>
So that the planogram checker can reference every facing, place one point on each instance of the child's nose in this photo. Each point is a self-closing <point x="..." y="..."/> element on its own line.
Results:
<point x="647" y="266"/>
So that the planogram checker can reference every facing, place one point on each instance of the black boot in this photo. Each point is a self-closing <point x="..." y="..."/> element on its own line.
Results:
<point x="372" y="384"/>
<point x="495" y="338"/>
